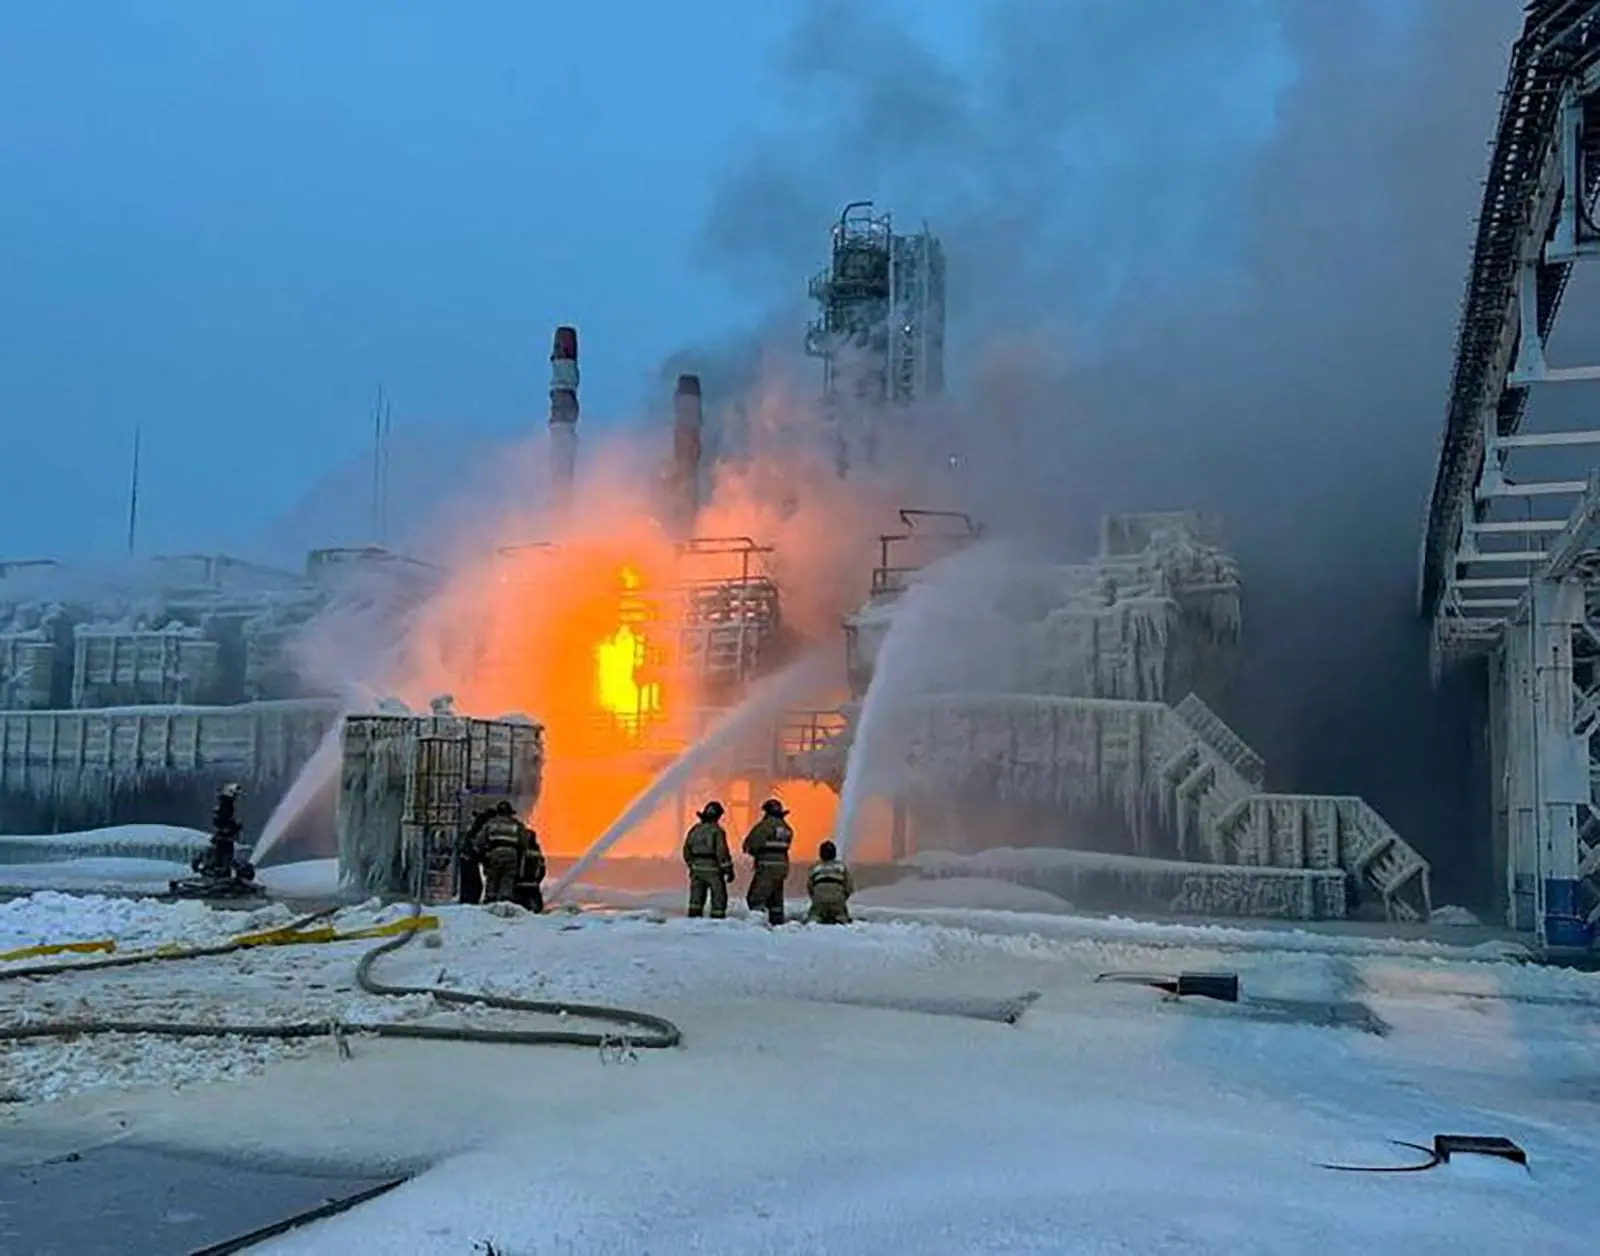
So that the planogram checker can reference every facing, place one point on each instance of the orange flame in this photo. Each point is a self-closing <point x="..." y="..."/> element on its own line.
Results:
<point x="622" y="686"/>
<point x="581" y="635"/>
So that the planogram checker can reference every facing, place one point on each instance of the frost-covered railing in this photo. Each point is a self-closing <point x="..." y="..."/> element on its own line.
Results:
<point x="812" y="746"/>
<point x="1086" y="878"/>
<point x="82" y="759"/>
<point x="28" y="663"/>
<point x="1379" y="857"/>
<point x="1142" y="758"/>
<point x="1214" y="731"/>
<point x="887" y="581"/>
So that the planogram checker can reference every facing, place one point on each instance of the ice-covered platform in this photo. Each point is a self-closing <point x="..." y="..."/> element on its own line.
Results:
<point x="87" y="764"/>
<point x="1087" y="699"/>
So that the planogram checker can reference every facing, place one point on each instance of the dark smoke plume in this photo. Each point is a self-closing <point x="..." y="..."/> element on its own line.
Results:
<point x="1162" y="298"/>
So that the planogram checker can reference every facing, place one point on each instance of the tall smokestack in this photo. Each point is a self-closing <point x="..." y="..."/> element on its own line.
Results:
<point x="688" y="418"/>
<point x="563" y="417"/>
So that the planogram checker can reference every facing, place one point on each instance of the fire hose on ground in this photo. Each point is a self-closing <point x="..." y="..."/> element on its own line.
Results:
<point x="633" y="1029"/>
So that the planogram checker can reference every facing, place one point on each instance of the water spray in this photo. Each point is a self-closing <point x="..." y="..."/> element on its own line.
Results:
<point x="914" y="649"/>
<point x="765" y="701"/>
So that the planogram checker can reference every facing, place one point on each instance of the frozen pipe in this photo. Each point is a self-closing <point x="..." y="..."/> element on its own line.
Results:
<point x="688" y="420"/>
<point x="563" y="416"/>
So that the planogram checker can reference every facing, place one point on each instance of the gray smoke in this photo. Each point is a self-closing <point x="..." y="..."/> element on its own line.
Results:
<point x="1163" y="298"/>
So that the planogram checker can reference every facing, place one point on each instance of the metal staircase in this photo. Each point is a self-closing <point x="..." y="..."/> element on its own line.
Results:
<point x="728" y="627"/>
<point x="1209" y="792"/>
<point x="1212" y="783"/>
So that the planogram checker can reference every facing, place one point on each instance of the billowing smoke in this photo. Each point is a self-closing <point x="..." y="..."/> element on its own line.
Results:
<point x="580" y="633"/>
<point x="1202" y="255"/>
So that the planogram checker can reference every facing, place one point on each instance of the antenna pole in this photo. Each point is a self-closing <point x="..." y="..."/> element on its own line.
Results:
<point x="383" y="499"/>
<point x="377" y="457"/>
<point x="133" y="495"/>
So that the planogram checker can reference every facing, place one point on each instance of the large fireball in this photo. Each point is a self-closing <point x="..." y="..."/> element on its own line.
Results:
<point x="585" y="634"/>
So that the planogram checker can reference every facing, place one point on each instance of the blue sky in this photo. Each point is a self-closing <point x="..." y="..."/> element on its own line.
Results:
<point x="226" y="223"/>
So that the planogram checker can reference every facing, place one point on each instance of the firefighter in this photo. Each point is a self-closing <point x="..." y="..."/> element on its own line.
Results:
<point x="829" y="887"/>
<point x="767" y="844"/>
<point x="530" y="879"/>
<point x="218" y="861"/>
<point x="469" y="875"/>
<point x="502" y="843"/>
<point x="705" y="851"/>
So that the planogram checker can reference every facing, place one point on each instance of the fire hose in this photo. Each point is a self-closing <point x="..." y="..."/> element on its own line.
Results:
<point x="633" y="1029"/>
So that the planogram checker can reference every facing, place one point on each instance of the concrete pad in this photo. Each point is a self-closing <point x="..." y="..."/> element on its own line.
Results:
<point x="123" y="1200"/>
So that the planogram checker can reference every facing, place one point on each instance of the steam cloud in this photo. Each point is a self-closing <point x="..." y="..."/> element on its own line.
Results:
<point x="1165" y="295"/>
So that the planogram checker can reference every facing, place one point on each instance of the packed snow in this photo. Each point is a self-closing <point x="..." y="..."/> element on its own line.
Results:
<point x="50" y="917"/>
<point x="827" y="1120"/>
<point x="106" y="873"/>
<point x="976" y="893"/>
<point x="166" y="843"/>
<point x="138" y="858"/>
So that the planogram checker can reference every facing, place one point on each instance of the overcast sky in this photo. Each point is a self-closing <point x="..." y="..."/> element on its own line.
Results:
<point x="227" y="223"/>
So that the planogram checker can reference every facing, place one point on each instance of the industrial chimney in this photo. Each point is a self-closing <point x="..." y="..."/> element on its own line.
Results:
<point x="563" y="418"/>
<point x="687" y="421"/>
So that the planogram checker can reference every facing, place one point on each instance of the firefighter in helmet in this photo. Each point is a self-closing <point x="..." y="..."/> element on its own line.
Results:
<point x="705" y="851"/>
<point x="768" y="844"/>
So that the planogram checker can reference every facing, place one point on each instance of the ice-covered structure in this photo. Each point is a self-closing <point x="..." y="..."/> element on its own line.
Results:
<point x="408" y="785"/>
<point x="126" y="693"/>
<point x="1076" y="704"/>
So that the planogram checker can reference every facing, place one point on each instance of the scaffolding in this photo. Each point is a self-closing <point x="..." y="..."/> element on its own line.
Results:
<point x="729" y="625"/>
<point x="880" y="331"/>
<point x="1510" y="563"/>
<point x="929" y="536"/>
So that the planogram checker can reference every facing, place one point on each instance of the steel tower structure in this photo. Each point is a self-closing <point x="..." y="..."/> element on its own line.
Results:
<point x="1510" y="568"/>
<point x="880" y="330"/>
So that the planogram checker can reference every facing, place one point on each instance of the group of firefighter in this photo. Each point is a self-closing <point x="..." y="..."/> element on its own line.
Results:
<point x="705" y="851"/>
<point x="501" y="862"/>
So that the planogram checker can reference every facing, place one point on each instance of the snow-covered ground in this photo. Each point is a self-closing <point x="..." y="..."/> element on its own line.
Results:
<point x="105" y="873"/>
<point x="64" y="861"/>
<point x="976" y="893"/>
<point x="165" y="843"/>
<point x="798" y="1118"/>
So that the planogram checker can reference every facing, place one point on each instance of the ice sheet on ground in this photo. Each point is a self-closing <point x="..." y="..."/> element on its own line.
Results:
<point x="1450" y="914"/>
<point x="979" y="893"/>
<point x="632" y="957"/>
<point x="94" y="873"/>
<point x="1230" y="937"/>
<point x="1108" y="1119"/>
<point x="167" y="843"/>
<point x="588" y="893"/>
<point x="1010" y="860"/>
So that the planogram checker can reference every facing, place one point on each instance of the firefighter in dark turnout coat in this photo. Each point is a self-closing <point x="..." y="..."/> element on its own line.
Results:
<point x="529" y="891"/>
<point x="829" y="887"/>
<point x="705" y="851"/>
<point x="218" y="861"/>
<point x="768" y="844"/>
<point x="503" y="842"/>
<point x="469" y="874"/>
